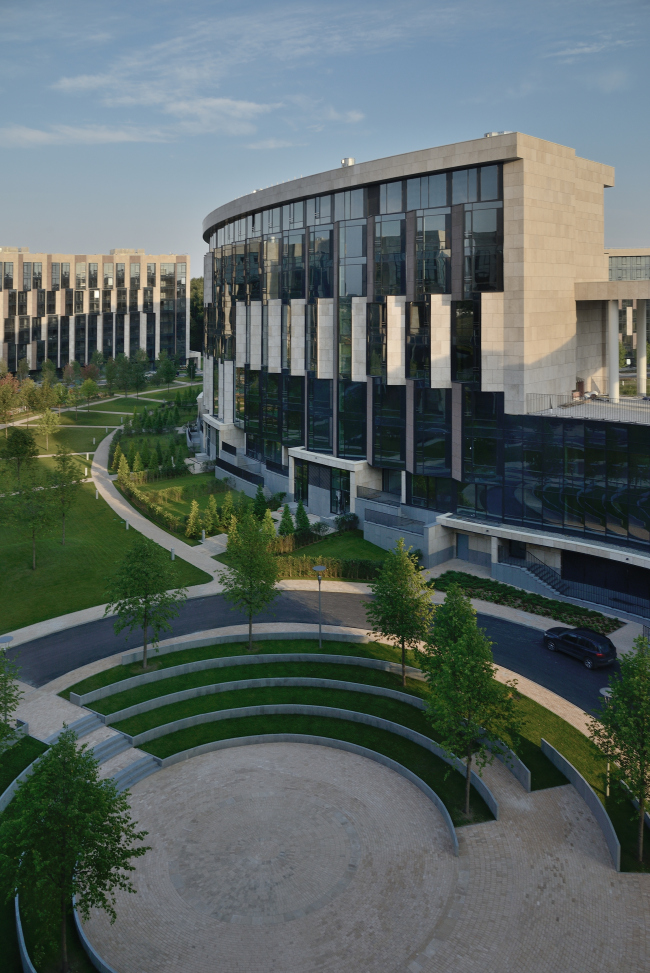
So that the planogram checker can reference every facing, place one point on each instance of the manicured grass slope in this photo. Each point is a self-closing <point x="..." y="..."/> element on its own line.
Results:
<point x="72" y="577"/>
<point x="92" y="418"/>
<point x="350" y="544"/>
<point x="77" y="440"/>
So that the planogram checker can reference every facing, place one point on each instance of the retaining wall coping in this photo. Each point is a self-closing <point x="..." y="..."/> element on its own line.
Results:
<point x="222" y="687"/>
<point x="89" y="949"/>
<point x="8" y="794"/>
<point x="591" y="799"/>
<point x="298" y="709"/>
<point x="322" y="742"/>
<point x="26" y="963"/>
<point x="242" y="636"/>
<point x="236" y="660"/>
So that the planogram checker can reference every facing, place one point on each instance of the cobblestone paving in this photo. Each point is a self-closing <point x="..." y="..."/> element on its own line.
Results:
<point x="292" y="858"/>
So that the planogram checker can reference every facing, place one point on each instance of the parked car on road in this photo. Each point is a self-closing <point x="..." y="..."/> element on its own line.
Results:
<point x="591" y="648"/>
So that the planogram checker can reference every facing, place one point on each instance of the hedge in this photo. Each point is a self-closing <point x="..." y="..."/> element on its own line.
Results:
<point x="303" y="567"/>
<point x="504" y="594"/>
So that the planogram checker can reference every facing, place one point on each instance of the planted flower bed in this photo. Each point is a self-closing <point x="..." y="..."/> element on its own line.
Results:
<point x="505" y="594"/>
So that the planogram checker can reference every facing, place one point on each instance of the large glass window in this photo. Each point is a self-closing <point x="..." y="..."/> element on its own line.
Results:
<point x="352" y="259"/>
<point x="293" y="410"/>
<point x="147" y="299"/>
<point x="92" y="275"/>
<point x="108" y="275"/>
<point x="318" y="210"/>
<point x="121" y="300"/>
<point x="350" y="205"/>
<point x="427" y="191"/>
<point x="432" y="492"/>
<point x="345" y="337"/>
<point x="272" y="267"/>
<point x="253" y="271"/>
<point x="432" y="432"/>
<point x="151" y="275"/>
<point x="106" y="300"/>
<point x="433" y="253"/>
<point x="301" y="481"/>
<point x="418" y="340"/>
<point x="167" y="281"/>
<point x="321" y="262"/>
<point x="65" y="275"/>
<point x="120" y="275"/>
<point x="483" y="269"/>
<point x="389" y="425"/>
<point x="93" y="301"/>
<point x="8" y="275"/>
<point x="293" y="265"/>
<point x="390" y="256"/>
<point x="352" y="398"/>
<point x="319" y="418"/>
<point x="376" y="339"/>
<point x="391" y="197"/>
<point x="340" y="492"/>
<point x="78" y="302"/>
<point x="311" y="337"/>
<point x="466" y="341"/>
<point x="56" y="276"/>
<point x="27" y="276"/>
<point x="37" y="276"/>
<point x="107" y="331"/>
<point x="135" y="276"/>
<point x="464" y="186"/>
<point x="80" y="276"/>
<point x="285" y="337"/>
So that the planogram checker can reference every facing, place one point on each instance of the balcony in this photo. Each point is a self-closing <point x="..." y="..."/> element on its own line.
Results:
<point x="378" y="496"/>
<point x="590" y="406"/>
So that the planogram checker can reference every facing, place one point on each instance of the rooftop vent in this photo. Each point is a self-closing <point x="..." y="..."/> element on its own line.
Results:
<point x="489" y="135"/>
<point x="349" y="161"/>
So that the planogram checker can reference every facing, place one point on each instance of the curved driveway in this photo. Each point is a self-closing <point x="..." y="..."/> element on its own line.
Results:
<point x="516" y="647"/>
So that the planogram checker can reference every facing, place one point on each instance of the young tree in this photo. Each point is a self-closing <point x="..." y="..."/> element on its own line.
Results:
<point x="193" y="528"/>
<point x="4" y="368"/>
<point x="165" y="369"/>
<point x="10" y="696"/>
<point x="66" y="483"/>
<point x="67" y="833"/>
<point x="23" y="369"/>
<point x="621" y="729"/>
<point x="302" y="520"/>
<point x="90" y="371"/>
<point x="268" y="526"/>
<point x="286" y="524"/>
<point x="401" y="610"/>
<point x="19" y="447"/>
<point x="124" y="376"/>
<point x="9" y="398"/>
<point x="143" y="593"/>
<point x="110" y="374"/>
<point x="69" y="373"/>
<point x="74" y="397"/>
<point x="472" y="714"/>
<point x="259" y="503"/>
<point x="44" y="396"/>
<point x="226" y="511"/>
<point x="139" y="365"/>
<point x="48" y="371"/>
<point x="191" y="370"/>
<point x="117" y="455"/>
<point x="250" y="580"/>
<point x="138" y="465"/>
<point x="97" y="358"/>
<point x="47" y="424"/>
<point x="123" y="473"/>
<point x="31" y="507"/>
<point x="61" y="394"/>
<point x="89" y="390"/>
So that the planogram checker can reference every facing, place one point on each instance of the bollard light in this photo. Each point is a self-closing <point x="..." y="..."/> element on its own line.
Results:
<point x="172" y="553"/>
<point x="96" y="494"/>
<point x="319" y="568"/>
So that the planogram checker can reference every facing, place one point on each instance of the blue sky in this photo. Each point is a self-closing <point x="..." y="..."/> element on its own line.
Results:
<point x="125" y="123"/>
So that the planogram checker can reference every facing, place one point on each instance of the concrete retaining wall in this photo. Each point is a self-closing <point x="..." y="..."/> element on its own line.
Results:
<point x="136" y="655"/>
<point x="590" y="798"/>
<point x="89" y="949"/>
<point x="321" y="742"/>
<point x="330" y="712"/>
<point x="26" y="963"/>
<point x="235" y="660"/>
<point x="8" y="794"/>
<point x="509" y="574"/>
<point x="223" y="687"/>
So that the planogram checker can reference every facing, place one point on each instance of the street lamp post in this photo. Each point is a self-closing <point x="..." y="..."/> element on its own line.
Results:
<point x="319" y="568"/>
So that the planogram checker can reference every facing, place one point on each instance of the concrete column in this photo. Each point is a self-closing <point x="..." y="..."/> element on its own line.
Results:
<point x="494" y="550"/>
<point x="403" y="489"/>
<point x="612" y="350"/>
<point x="641" y="354"/>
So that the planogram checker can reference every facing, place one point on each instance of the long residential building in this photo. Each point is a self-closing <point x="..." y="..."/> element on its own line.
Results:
<point x="64" y="306"/>
<point x="438" y="341"/>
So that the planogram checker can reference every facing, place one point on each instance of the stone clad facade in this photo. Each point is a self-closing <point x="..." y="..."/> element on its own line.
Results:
<point x="438" y="341"/>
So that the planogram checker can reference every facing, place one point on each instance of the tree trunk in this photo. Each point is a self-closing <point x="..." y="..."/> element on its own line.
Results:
<point x="641" y="826"/>
<point x="403" y="664"/>
<point x="144" y="642"/>
<point x="468" y="780"/>
<point x="250" y="632"/>
<point x="64" y="937"/>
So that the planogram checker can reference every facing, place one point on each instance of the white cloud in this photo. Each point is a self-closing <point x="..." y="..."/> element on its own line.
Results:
<point x="272" y="144"/>
<point x="20" y="136"/>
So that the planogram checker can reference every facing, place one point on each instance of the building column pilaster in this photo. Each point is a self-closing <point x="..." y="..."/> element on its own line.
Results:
<point x="612" y="350"/>
<point x="641" y="348"/>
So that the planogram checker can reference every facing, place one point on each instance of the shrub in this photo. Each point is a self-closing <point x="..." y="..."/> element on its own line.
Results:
<point x="302" y="567"/>
<point x="302" y="520"/>
<point x="275" y="501"/>
<point x="286" y="524"/>
<point x="346" y="522"/>
<point x="504" y="594"/>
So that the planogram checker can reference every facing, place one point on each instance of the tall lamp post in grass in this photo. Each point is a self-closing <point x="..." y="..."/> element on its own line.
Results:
<point x="319" y="569"/>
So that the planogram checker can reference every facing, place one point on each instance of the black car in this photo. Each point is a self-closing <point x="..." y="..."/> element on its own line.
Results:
<point x="592" y="649"/>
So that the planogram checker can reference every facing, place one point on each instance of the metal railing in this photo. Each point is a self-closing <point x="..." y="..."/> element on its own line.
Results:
<point x="277" y="468"/>
<point x="605" y="597"/>
<point x="396" y="523"/>
<point x="368" y="493"/>
<point x="238" y="471"/>
<point x="602" y="408"/>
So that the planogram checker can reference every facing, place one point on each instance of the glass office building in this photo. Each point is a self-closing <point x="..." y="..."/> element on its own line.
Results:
<point x="66" y="306"/>
<point x="415" y="340"/>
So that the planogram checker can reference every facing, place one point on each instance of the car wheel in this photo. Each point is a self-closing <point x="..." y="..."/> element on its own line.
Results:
<point x="551" y="646"/>
<point x="588" y="663"/>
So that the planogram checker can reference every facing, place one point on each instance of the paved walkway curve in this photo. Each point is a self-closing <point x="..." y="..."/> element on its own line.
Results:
<point x="286" y="857"/>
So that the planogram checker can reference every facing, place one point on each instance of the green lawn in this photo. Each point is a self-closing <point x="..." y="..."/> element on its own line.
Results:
<point x="92" y="418"/>
<point x="350" y="544"/>
<point x="49" y="463"/>
<point x="194" y="487"/>
<point x="78" y="440"/>
<point x="73" y="577"/>
<point x="448" y="785"/>
<point x="164" y="393"/>
<point x="12" y="763"/>
<point x="124" y="405"/>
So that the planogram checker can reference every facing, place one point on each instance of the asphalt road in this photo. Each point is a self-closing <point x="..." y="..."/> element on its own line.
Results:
<point x="515" y="647"/>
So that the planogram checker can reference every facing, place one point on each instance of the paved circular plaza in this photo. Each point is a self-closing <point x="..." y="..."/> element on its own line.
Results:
<point x="296" y="858"/>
